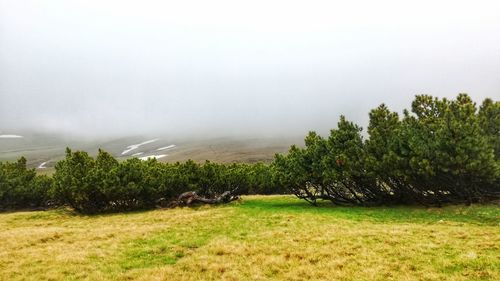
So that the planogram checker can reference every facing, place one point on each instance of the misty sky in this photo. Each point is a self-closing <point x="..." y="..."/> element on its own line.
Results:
<point x="232" y="67"/>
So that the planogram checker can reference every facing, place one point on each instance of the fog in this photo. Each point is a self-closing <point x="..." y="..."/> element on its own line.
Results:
<point x="102" y="68"/>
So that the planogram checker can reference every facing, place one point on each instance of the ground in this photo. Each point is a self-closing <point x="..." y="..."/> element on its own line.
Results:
<point x="258" y="238"/>
<point x="50" y="149"/>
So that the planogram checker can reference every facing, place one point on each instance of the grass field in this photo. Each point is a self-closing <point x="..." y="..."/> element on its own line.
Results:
<point x="259" y="238"/>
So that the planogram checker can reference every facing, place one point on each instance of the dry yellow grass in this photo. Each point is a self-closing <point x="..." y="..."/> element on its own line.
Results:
<point x="260" y="238"/>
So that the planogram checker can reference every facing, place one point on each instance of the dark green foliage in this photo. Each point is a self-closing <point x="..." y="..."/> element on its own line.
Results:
<point x="21" y="187"/>
<point x="347" y="181"/>
<point x="295" y="171"/>
<point x="385" y="161"/>
<point x="262" y="180"/>
<point x="444" y="151"/>
<point x="102" y="184"/>
<point x="454" y="160"/>
<point x="105" y="185"/>
<point x="75" y="184"/>
<point x="489" y="121"/>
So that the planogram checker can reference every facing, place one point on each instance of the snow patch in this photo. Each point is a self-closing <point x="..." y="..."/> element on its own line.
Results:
<point x="10" y="137"/>
<point x="137" y="154"/>
<point x="42" y="165"/>
<point x="135" y="146"/>
<point x="166" y="147"/>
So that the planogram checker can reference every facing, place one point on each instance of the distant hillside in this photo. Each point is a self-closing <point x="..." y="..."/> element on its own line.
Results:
<point x="44" y="151"/>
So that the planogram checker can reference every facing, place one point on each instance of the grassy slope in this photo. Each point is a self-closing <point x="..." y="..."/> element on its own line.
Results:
<point x="39" y="148"/>
<point x="260" y="238"/>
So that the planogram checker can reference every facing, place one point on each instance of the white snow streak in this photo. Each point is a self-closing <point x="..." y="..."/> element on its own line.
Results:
<point x="166" y="147"/>
<point x="10" y="137"/>
<point x="135" y="146"/>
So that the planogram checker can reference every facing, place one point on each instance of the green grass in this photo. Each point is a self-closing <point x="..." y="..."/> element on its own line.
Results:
<point x="259" y="238"/>
<point x="479" y="214"/>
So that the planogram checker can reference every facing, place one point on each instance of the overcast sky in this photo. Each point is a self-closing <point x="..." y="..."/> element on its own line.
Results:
<point x="229" y="67"/>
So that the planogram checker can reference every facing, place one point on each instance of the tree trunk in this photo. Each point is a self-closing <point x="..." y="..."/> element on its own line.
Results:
<point x="190" y="198"/>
